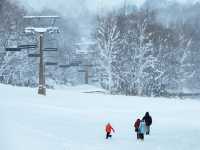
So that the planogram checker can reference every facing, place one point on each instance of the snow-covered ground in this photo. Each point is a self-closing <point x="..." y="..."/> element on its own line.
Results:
<point x="70" y="119"/>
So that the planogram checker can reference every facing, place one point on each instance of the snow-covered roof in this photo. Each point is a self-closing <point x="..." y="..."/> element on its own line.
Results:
<point x="41" y="30"/>
<point x="37" y="17"/>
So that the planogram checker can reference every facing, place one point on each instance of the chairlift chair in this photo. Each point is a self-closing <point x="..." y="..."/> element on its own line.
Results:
<point x="81" y="71"/>
<point x="34" y="55"/>
<point x="51" y="63"/>
<point x="64" y="66"/>
<point x="12" y="45"/>
<point x="88" y="65"/>
<point x="95" y="80"/>
<point x="50" y="49"/>
<point x="28" y="46"/>
<point x="15" y="49"/>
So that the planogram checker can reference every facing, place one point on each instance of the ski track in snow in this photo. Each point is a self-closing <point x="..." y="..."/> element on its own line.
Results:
<point x="72" y="120"/>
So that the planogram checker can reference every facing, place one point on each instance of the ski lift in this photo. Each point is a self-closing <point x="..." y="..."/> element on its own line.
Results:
<point x="75" y="63"/>
<point x="29" y="46"/>
<point x="64" y="66"/>
<point x="12" y="45"/>
<point x="51" y="63"/>
<point x="12" y="49"/>
<point x="95" y="80"/>
<point x="34" y="55"/>
<point x="88" y="65"/>
<point x="50" y="49"/>
<point x="81" y="71"/>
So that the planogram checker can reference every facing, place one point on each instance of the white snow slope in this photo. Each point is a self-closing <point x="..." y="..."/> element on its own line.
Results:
<point x="71" y="120"/>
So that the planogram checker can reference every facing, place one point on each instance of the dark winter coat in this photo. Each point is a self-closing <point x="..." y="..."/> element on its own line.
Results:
<point x="147" y="118"/>
<point x="137" y="124"/>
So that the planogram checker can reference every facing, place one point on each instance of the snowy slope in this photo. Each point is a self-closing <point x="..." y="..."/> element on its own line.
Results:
<point x="73" y="120"/>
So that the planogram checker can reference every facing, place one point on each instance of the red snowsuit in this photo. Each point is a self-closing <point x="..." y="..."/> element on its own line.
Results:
<point x="109" y="128"/>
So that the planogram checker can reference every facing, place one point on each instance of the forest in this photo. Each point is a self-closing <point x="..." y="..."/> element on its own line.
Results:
<point x="151" y="50"/>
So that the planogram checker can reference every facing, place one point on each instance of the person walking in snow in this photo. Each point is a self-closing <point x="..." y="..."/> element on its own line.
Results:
<point x="109" y="129"/>
<point x="142" y="129"/>
<point x="137" y="125"/>
<point x="148" y="121"/>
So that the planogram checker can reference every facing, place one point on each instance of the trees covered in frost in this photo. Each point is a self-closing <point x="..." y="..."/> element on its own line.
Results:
<point x="147" y="51"/>
<point x="13" y="65"/>
<point x="152" y="57"/>
<point x="108" y="41"/>
<point x="129" y="53"/>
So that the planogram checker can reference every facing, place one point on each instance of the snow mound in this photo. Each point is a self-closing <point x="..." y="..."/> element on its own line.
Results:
<point x="82" y="89"/>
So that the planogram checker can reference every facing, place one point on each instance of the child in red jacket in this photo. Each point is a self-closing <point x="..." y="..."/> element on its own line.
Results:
<point x="109" y="129"/>
<point x="137" y="125"/>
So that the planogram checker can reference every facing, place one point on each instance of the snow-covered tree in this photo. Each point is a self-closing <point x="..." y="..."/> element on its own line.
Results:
<point x="108" y="40"/>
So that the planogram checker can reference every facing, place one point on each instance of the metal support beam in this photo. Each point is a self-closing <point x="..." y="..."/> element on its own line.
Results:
<point x="27" y="46"/>
<point x="42" y="86"/>
<point x="86" y="74"/>
<point x="50" y="49"/>
<point x="51" y="63"/>
<point x="33" y="55"/>
<point x="13" y="49"/>
<point x="64" y="66"/>
<point x="40" y="32"/>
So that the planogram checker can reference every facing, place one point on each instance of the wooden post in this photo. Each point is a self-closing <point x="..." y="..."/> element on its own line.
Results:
<point x="86" y="74"/>
<point x="42" y="86"/>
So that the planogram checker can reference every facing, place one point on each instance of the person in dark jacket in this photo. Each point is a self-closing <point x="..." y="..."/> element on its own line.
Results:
<point x="137" y="125"/>
<point x="148" y="121"/>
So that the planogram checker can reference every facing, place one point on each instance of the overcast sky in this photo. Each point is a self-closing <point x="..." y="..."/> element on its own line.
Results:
<point x="64" y="5"/>
<point x="38" y="4"/>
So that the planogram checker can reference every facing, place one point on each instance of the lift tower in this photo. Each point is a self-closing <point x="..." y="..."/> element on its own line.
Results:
<point x="39" y="30"/>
